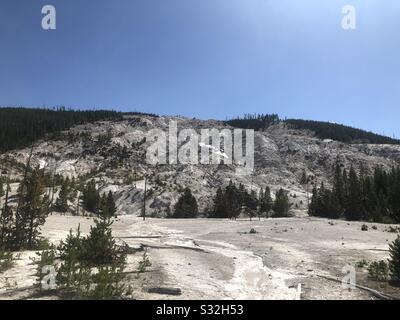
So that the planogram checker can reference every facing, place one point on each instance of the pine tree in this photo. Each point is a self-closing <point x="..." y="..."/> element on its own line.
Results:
<point x="339" y="186"/>
<point x="265" y="200"/>
<point x="91" y="197"/>
<point x="62" y="200"/>
<point x="304" y="178"/>
<point x="218" y="208"/>
<point x="111" y="207"/>
<point x="313" y="208"/>
<point x="34" y="208"/>
<point x="394" y="261"/>
<point x="233" y="200"/>
<point x="281" y="204"/>
<point x="186" y="207"/>
<point x="107" y="205"/>
<point x="6" y="223"/>
<point x="354" y="210"/>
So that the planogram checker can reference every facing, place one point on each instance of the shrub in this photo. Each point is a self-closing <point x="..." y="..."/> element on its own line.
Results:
<point x="45" y="258"/>
<point x="362" y="264"/>
<point x="394" y="261"/>
<point x="89" y="267"/>
<point x="253" y="231"/>
<point x="6" y="260"/>
<point x="144" y="263"/>
<point x="364" y="227"/>
<point x="392" y="229"/>
<point x="378" y="270"/>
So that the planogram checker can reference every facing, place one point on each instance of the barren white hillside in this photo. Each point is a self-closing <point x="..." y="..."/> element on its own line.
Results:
<point x="280" y="156"/>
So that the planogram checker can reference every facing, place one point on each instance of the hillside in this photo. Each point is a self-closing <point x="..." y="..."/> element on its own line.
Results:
<point x="20" y="127"/>
<point x="321" y="129"/>
<point x="113" y="153"/>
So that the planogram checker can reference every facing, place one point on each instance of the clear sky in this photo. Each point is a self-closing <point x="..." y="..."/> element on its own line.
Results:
<point x="207" y="58"/>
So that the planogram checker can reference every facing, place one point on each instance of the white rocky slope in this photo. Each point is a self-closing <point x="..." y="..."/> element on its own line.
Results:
<point x="281" y="154"/>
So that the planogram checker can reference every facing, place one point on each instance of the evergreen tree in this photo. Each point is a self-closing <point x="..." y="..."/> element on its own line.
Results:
<point x="354" y="210"/>
<point x="33" y="210"/>
<point x="394" y="261"/>
<point x="218" y="208"/>
<point x="304" y="178"/>
<point x="186" y="207"/>
<point x="265" y="200"/>
<point x="281" y="204"/>
<point x="233" y="200"/>
<point x="62" y="200"/>
<point x="108" y="207"/>
<point x="339" y="186"/>
<point x="6" y="223"/>
<point x="91" y="197"/>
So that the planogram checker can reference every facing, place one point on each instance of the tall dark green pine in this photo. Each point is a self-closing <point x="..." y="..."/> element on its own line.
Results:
<point x="265" y="200"/>
<point x="370" y="201"/>
<point x="281" y="205"/>
<point x="112" y="208"/>
<point x="339" y="186"/>
<point x="233" y="200"/>
<point x="33" y="210"/>
<point x="91" y="197"/>
<point x="313" y="209"/>
<point x="186" y="207"/>
<point x="354" y="210"/>
<point x="62" y="200"/>
<point x="108" y="207"/>
<point x="218" y="207"/>
<point x="304" y="178"/>
<point x="6" y="223"/>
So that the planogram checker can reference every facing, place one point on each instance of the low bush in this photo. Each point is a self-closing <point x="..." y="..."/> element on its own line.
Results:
<point x="378" y="270"/>
<point x="6" y="260"/>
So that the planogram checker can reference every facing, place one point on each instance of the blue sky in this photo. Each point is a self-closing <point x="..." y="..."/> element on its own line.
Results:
<point x="207" y="58"/>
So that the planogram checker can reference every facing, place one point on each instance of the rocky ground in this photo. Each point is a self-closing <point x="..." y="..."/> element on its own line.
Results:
<point x="221" y="259"/>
